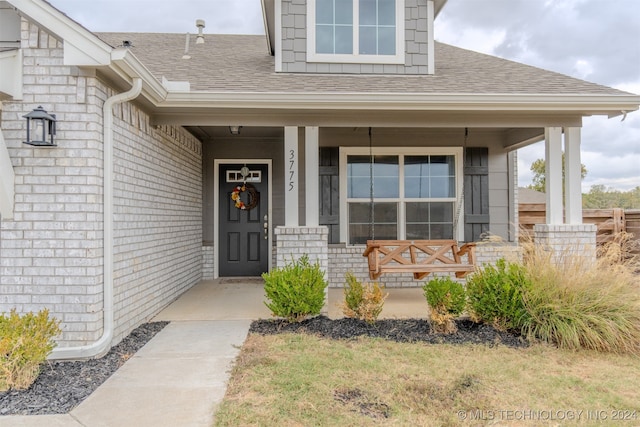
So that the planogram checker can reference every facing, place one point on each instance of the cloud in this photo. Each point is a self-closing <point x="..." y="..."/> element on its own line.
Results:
<point x="582" y="38"/>
<point x="586" y="39"/>
<point x="221" y="16"/>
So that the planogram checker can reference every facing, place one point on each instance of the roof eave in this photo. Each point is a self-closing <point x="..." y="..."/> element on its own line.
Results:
<point x="610" y="105"/>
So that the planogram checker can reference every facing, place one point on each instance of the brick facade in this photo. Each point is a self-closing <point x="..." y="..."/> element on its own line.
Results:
<point x="568" y="240"/>
<point x="51" y="252"/>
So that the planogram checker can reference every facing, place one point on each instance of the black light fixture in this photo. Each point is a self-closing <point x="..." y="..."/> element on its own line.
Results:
<point x="235" y="130"/>
<point x="40" y="126"/>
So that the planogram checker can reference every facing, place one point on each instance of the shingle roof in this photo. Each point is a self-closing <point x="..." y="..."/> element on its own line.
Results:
<point x="240" y="63"/>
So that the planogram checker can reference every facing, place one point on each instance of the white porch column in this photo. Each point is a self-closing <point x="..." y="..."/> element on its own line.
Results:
<point x="572" y="176"/>
<point x="291" y="181"/>
<point x="311" y="179"/>
<point x="553" y="174"/>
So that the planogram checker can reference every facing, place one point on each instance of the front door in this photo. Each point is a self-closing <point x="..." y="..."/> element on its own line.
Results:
<point x="243" y="215"/>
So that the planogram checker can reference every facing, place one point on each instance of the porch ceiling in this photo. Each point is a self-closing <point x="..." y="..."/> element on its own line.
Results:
<point x="508" y="138"/>
<point x="186" y="116"/>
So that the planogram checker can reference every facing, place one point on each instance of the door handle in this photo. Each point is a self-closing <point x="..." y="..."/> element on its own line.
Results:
<point x="265" y="225"/>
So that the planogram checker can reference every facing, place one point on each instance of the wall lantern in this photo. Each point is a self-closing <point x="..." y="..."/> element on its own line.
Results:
<point x="235" y="130"/>
<point x="40" y="127"/>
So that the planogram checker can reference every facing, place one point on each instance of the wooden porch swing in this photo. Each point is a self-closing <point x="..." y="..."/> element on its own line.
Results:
<point x="419" y="257"/>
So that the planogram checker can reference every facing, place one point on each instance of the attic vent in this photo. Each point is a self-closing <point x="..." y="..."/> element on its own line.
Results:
<point x="200" y="25"/>
<point x="127" y="43"/>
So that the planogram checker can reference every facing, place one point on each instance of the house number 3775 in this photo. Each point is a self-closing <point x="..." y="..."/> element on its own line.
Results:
<point x="292" y="169"/>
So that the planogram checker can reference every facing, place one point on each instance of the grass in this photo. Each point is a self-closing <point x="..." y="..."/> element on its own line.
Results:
<point x="302" y="380"/>
<point x="576" y="303"/>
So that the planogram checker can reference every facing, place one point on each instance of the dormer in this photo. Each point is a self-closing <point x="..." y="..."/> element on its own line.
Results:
<point x="352" y="36"/>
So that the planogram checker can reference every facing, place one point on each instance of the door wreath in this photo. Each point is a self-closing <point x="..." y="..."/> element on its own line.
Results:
<point x="253" y="197"/>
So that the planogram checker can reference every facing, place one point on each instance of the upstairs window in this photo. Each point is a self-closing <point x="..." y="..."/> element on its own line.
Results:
<point x="356" y="31"/>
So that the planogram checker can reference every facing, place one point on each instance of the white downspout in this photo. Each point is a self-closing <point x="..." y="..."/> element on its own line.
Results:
<point x="100" y="346"/>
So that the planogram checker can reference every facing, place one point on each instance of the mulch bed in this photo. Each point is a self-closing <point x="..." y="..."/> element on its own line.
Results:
<point x="400" y="330"/>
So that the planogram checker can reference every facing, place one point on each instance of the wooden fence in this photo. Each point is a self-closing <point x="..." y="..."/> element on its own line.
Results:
<point x="608" y="221"/>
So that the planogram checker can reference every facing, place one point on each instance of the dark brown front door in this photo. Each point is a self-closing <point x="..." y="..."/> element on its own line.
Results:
<point x="243" y="246"/>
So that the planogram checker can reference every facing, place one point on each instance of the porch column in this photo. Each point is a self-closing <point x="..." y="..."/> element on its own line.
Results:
<point x="570" y="241"/>
<point x="553" y="174"/>
<point x="572" y="176"/>
<point x="291" y="182"/>
<point x="311" y="179"/>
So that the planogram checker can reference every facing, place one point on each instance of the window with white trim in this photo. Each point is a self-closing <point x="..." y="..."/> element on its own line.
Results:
<point x="355" y="31"/>
<point x="415" y="193"/>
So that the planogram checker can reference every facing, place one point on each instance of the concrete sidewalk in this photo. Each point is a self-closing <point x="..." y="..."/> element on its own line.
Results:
<point x="179" y="377"/>
<point x="176" y="379"/>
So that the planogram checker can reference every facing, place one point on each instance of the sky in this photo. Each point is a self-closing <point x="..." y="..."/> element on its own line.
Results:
<point x="589" y="39"/>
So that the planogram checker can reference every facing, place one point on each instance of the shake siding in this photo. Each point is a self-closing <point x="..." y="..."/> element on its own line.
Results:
<point x="294" y="44"/>
<point x="51" y="253"/>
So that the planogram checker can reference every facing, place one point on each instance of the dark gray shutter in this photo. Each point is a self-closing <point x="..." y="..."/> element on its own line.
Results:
<point x="330" y="191"/>
<point x="476" y="193"/>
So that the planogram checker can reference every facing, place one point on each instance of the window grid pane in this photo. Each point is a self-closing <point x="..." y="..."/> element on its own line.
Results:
<point x="385" y="224"/>
<point x="429" y="176"/>
<point x="334" y="26"/>
<point x="377" y="27"/>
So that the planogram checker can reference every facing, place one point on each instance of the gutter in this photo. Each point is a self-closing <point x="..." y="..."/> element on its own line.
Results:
<point x="103" y="344"/>
<point x="593" y="103"/>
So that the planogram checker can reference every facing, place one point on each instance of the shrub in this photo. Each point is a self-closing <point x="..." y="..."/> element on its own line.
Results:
<point x="446" y="299"/>
<point x="25" y="342"/>
<point x="296" y="291"/>
<point x="495" y="295"/>
<point x="575" y="303"/>
<point x="363" y="302"/>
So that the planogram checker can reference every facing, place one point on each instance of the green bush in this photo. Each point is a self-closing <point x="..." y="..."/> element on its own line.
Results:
<point x="495" y="295"/>
<point x="296" y="291"/>
<point x="25" y="342"/>
<point x="447" y="300"/>
<point x="363" y="302"/>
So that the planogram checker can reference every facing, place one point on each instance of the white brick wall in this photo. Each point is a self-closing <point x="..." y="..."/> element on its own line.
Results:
<point x="345" y="259"/>
<point x="293" y="242"/>
<point x="158" y="216"/>
<point x="51" y="252"/>
<point x="568" y="241"/>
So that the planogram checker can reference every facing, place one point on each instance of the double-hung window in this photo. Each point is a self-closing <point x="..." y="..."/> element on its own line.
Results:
<point x="355" y="31"/>
<point x="415" y="194"/>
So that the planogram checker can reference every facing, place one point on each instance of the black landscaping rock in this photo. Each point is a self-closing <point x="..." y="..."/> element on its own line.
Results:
<point x="400" y="330"/>
<point x="61" y="386"/>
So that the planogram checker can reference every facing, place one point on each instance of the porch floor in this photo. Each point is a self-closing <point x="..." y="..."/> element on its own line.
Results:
<point x="243" y="299"/>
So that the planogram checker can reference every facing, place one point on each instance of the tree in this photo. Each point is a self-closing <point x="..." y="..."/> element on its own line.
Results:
<point x="539" y="177"/>
<point x="600" y="197"/>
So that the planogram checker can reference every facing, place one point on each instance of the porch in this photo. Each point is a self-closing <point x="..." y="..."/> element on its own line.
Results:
<point x="241" y="298"/>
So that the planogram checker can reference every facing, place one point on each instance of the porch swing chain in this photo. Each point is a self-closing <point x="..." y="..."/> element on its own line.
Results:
<point x="460" y="200"/>
<point x="372" y="213"/>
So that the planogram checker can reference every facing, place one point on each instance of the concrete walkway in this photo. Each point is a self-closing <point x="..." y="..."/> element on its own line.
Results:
<point x="179" y="377"/>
